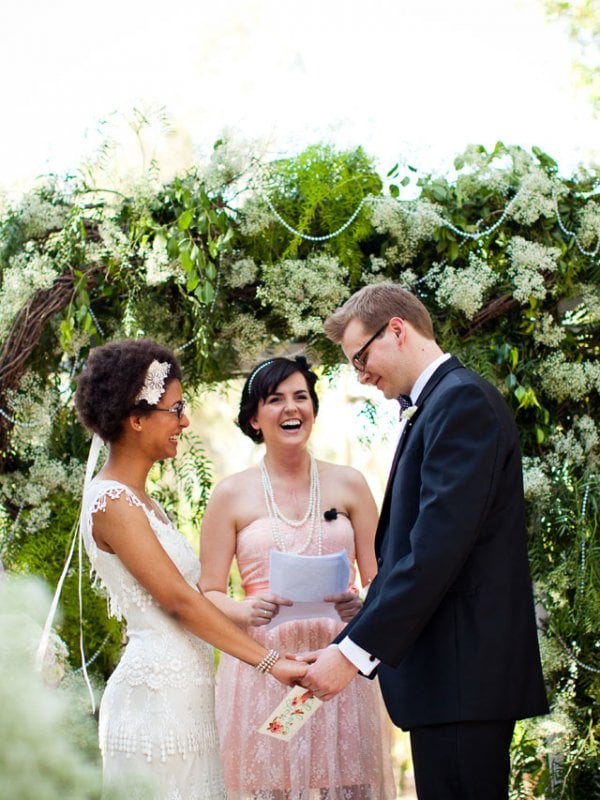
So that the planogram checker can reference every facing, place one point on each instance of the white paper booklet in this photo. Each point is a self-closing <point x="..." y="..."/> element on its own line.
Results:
<point x="306" y="580"/>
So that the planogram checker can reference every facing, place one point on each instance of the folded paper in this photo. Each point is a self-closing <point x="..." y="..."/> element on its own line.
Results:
<point x="306" y="580"/>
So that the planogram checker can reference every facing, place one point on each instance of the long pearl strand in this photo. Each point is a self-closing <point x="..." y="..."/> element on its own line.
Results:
<point x="312" y="514"/>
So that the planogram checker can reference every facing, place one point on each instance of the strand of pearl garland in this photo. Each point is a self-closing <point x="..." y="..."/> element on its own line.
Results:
<point x="312" y="514"/>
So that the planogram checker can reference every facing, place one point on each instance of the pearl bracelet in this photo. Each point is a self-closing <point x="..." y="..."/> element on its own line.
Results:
<point x="267" y="663"/>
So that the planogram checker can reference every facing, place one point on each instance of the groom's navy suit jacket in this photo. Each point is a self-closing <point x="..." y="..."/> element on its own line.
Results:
<point x="450" y="613"/>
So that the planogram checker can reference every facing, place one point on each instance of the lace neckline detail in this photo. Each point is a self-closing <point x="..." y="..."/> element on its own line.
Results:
<point x="161" y="517"/>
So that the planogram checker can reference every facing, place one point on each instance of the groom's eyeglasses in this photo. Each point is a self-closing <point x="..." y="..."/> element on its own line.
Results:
<point x="177" y="408"/>
<point x="359" y="359"/>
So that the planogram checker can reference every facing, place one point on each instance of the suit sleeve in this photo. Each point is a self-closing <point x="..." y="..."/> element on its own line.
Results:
<point x="458" y="473"/>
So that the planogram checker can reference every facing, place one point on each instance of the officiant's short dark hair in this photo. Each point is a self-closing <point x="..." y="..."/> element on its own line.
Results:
<point x="264" y="380"/>
<point x="111" y="379"/>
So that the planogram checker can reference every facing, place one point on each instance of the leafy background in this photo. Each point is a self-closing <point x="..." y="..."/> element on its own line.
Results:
<point x="240" y="258"/>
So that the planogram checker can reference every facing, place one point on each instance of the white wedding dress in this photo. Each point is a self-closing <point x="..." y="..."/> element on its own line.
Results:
<point x="157" y="713"/>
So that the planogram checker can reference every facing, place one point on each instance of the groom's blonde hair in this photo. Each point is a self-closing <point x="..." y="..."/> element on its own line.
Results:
<point x="374" y="305"/>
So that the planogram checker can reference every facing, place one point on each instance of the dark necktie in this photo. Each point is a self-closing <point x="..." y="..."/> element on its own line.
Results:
<point x="405" y="402"/>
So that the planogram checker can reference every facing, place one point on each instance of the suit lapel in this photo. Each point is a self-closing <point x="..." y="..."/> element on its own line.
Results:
<point x="450" y="364"/>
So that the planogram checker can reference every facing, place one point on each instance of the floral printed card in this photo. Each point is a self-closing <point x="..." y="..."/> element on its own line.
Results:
<point x="290" y="715"/>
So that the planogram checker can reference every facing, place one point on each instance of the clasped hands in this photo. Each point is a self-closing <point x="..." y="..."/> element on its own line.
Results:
<point x="328" y="670"/>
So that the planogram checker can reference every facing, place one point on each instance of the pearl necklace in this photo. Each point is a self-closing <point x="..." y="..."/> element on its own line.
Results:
<point x="312" y="512"/>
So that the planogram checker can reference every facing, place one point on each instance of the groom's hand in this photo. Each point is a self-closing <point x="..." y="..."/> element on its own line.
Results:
<point x="329" y="674"/>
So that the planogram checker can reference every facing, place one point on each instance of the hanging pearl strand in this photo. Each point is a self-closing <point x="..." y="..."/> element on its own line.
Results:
<point x="312" y="515"/>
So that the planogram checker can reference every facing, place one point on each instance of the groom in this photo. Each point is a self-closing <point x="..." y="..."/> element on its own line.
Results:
<point x="448" y="623"/>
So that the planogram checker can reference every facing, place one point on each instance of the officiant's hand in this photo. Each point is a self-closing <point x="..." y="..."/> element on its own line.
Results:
<point x="261" y="608"/>
<point x="347" y="604"/>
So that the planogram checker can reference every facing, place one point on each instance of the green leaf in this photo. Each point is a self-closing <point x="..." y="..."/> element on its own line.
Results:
<point x="192" y="282"/>
<point x="185" y="220"/>
<point x="211" y="270"/>
<point x="186" y="260"/>
<point x="394" y="190"/>
<point x="205" y="293"/>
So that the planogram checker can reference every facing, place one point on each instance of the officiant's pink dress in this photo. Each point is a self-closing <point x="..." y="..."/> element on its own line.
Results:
<point x="343" y="751"/>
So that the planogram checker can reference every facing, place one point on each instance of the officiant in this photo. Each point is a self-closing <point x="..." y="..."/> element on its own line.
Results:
<point x="292" y="516"/>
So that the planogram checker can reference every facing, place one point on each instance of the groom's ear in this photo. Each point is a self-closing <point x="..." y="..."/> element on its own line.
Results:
<point x="397" y="326"/>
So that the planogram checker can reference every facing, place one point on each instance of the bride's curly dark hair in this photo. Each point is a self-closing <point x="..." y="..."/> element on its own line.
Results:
<point x="264" y="380"/>
<point x="111" y="380"/>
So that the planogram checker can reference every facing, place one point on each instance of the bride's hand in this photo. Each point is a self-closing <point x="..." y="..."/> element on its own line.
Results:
<point x="261" y="608"/>
<point x="289" y="672"/>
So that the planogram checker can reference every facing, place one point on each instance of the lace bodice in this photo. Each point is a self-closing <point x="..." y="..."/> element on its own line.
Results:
<point x="157" y="712"/>
<point x="126" y="595"/>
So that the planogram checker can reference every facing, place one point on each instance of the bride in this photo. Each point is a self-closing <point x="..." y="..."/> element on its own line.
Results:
<point x="157" y="724"/>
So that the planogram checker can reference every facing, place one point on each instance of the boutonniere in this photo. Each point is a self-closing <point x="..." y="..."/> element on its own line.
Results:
<point x="409" y="413"/>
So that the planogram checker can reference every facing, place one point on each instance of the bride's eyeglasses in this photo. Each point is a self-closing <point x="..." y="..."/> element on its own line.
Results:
<point x="177" y="408"/>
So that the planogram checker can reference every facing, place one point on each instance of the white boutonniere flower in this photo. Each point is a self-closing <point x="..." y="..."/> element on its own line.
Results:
<point x="409" y="413"/>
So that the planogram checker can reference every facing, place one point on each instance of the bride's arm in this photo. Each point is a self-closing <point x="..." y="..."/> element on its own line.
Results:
<point x="124" y="529"/>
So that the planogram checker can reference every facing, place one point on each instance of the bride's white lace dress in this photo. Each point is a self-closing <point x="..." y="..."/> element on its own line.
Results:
<point x="157" y="712"/>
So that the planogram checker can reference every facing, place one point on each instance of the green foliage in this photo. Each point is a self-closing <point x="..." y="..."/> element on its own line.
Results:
<point x="44" y="554"/>
<point x="183" y="485"/>
<point x="504" y="253"/>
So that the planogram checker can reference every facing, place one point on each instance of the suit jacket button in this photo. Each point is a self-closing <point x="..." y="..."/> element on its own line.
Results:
<point x="379" y="561"/>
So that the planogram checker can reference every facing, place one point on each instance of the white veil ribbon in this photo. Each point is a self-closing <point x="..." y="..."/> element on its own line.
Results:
<point x="95" y="447"/>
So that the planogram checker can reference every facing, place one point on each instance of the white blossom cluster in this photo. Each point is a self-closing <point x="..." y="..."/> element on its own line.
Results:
<point x="589" y="435"/>
<point x="409" y="225"/>
<point x="159" y="268"/>
<point x="256" y="217"/>
<point x="481" y="174"/>
<point x="576" y="447"/>
<point x="248" y="335"/>
<point x="27" y="272"/>
<point x="528" y="263"/>
<point x="407" y="279"/>
<point x="547" y="332"/>
<point x="462" y="289"/>
<point x="537" y="484"/>
<point x="38" y="216"/>
<point x="303" y="292"/>
<point x="115" y="242"/>
<point x="589" y="299"/>
<point x="534" y="199"/>
<point x="376" y="264"/>
<point x="231" y="158"/>
<point x="589" y="224"/>
<point x="241" y="273"/>
<point x="35" y="405"/>
<point x="46" y="477"/>
<point x="561" y="379"/>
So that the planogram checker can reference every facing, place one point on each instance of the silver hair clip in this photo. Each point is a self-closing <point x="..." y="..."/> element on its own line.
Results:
<point x="255" y="373"/>
<point x="154" y="382"/>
